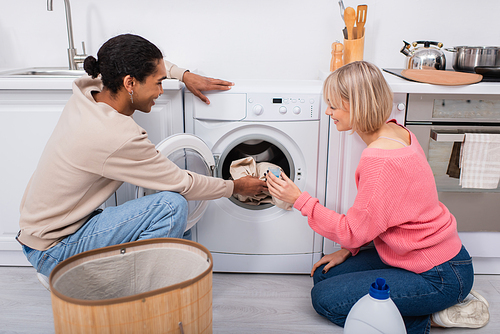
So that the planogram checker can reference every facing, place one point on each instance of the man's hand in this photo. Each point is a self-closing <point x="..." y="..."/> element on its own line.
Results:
<point x="249" y="186"/>
<point x="197" y="83"/>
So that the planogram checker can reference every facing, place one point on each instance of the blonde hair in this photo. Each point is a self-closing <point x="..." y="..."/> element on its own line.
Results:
<point x="362" y="87"/>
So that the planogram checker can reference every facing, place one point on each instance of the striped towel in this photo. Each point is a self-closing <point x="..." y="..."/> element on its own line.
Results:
<point x="480" y="161"/>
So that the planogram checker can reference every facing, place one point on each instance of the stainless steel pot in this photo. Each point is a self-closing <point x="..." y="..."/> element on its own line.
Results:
<point x="427" y="56"/>
<point x="468" y="57"/>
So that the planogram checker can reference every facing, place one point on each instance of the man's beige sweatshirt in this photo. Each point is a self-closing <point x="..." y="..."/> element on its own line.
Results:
<point x="92" y="151"/>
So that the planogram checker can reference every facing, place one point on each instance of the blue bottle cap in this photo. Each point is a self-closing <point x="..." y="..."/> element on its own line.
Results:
<point x="379" y="290"/>
<point x="275" y="171"/>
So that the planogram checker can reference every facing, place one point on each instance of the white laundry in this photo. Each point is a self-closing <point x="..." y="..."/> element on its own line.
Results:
<point x="480" y="161"/>
<point x="248" y="166"/>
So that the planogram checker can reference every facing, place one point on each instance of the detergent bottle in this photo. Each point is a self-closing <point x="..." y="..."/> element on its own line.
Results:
<point x="375" y="313"/>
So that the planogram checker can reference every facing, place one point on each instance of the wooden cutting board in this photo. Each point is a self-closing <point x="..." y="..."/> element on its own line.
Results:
<point x="438" y="77"/>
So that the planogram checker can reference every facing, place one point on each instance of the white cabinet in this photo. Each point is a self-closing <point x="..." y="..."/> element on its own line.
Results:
<point x="27" y="118"/>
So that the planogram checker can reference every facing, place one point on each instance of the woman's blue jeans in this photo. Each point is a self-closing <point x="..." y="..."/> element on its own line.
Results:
<point x="159" y="215"/>
<point x="417" y="296"/>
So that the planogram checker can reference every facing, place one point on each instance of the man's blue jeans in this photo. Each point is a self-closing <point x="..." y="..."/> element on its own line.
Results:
<point x="417" y="296"/>
<point x="159" y="215"/>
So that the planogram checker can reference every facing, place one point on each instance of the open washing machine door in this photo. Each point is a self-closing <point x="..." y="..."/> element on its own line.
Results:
<point x="191" y="153"/>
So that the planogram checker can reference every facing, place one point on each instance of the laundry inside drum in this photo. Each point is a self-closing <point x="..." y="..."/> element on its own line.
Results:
<point x="262" y="151"/>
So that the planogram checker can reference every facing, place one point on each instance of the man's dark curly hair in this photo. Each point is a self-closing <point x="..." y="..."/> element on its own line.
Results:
<point x="121" y="56"/>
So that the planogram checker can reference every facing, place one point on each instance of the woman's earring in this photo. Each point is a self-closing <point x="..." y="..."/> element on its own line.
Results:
<point x="131" y="93"/>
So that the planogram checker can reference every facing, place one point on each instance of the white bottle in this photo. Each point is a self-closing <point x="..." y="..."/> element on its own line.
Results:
<point x="375" y="313"/>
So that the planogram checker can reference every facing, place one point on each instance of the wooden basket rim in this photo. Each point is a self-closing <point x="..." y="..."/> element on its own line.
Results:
<point x="117" y="249"/>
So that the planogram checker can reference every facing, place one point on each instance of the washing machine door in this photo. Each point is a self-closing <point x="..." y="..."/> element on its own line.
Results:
<point x="188" y="152"/>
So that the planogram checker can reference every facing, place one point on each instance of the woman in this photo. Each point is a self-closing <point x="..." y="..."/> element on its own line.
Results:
<point x="417" y="247"/>
<point x="96" y="146"/>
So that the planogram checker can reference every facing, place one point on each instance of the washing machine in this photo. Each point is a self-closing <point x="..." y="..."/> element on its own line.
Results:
<point x="277" y="122"/>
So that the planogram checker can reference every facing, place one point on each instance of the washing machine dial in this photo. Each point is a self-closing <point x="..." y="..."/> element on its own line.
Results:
<point x="282" y="110"/>
<point x="296" y="110"/>
<point x="401" y="106"/>
<point x="258" y="109"/>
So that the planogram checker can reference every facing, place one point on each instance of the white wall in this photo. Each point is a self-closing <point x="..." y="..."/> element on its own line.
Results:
<point x="271" y="39"/>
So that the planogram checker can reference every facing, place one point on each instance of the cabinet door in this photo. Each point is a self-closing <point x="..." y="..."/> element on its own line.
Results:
<point x="28" y="119"/>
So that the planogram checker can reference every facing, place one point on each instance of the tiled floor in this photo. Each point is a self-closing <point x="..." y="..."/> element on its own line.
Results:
<point x="242" y="303"/>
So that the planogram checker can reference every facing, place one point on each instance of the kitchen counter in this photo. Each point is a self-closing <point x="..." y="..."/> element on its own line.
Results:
<point x="54" y="82"/>
<point x="400" y="85"/>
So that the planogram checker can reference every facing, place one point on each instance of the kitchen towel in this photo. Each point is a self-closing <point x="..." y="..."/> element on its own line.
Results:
<point x="480" y="161"/>
<point x="248" y="166"/>
<point x="454" y="163"/>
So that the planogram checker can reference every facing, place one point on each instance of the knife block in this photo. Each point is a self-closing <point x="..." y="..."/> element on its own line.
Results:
<point x="353" y="48"/>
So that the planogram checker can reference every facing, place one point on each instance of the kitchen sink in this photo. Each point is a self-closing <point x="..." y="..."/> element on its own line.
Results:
<point x="43" y="72"/>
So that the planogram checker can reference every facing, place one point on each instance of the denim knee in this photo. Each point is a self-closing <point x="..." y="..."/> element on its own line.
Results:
<point x="323" y="304"/>
<point x="316" y="297"/>
<point x="175" y="200"/>
<point x="182" y="207"/>
<point x="178" y="206"/>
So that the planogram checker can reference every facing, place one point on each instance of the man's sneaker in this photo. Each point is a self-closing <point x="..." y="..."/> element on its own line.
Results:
<point x="471" y="313"/>
<point x="44" y="280"/>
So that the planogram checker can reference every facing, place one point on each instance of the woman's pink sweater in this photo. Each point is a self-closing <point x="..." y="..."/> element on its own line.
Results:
<point x="396" y="206"/>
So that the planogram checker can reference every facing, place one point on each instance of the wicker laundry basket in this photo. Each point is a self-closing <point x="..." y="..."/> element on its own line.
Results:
<point x="148" y="286"/>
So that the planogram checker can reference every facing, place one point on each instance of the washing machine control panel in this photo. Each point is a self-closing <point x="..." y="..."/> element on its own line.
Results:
<point x="283" y="107"/>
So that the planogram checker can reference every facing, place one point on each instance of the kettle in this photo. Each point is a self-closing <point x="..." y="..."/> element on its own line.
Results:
<point x="427" y="56"/>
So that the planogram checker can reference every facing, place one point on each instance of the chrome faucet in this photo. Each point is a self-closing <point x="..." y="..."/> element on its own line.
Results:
<point x="73" y="57"/>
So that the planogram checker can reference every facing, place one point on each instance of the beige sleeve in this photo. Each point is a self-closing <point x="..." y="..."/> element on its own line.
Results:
<point x="139" y="163"/>
<point x="173" y="71"/>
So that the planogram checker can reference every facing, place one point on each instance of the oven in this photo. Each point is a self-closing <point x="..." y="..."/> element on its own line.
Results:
<point x="440" y="122"/>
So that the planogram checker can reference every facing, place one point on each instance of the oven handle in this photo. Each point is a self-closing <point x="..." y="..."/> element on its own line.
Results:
<point x="447" y="137"/>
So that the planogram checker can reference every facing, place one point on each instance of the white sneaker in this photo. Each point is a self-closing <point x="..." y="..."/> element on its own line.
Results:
<point x="44" y="280"/>
<point x="479" y="297"/>
<point x="471" y="313"/>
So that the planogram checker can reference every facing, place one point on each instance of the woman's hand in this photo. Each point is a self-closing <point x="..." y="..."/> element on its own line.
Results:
<point x="331" y="260"/>
<point x="197" y="83"/>
<point x="284" y="190"/>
